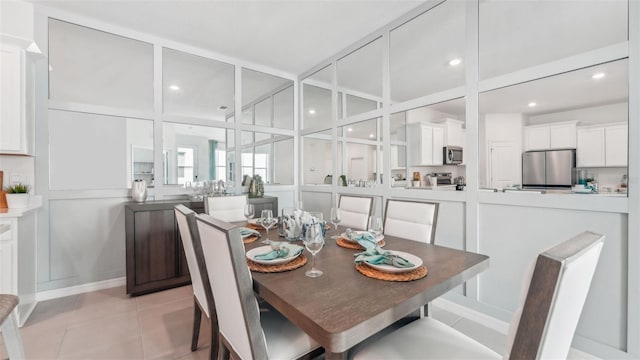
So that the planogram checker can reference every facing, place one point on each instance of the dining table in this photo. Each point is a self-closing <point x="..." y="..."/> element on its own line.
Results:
<point x="343" y="307"/>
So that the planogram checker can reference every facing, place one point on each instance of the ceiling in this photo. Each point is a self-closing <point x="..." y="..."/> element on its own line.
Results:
<point x="291" y="36"/>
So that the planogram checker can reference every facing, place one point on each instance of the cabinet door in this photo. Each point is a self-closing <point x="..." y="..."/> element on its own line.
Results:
<point x="590" y="147"/>
<point x="536" y="138"/>
<point x="11" y="119"/>
<point x="156" y="246"/>
<point x="426" y="148"/>
<point x="562" y="136"/>
<point x="7" y="265"/>
<point x="616" y="141"/>
<point x="437" y="144"/>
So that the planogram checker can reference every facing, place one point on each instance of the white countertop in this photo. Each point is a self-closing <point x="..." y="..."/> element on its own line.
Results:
<point x="34" y="203"/>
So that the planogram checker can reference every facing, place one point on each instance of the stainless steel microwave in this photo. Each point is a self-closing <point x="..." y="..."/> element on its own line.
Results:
<point x="452" y="155"/>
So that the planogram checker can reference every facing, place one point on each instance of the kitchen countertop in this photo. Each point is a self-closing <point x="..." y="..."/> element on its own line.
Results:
<point x="34" y="204"/>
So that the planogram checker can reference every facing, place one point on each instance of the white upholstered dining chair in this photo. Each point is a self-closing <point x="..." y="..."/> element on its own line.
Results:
<point x="202" y="296"/>
<point x="355" y="211"/>
<point x="227" y="208"/>
<point x="245" y="332"/>
<point x="411" y="220"/>
<point x="542" y="328"/>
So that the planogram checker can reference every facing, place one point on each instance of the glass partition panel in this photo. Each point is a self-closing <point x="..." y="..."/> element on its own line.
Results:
<point x="316" y="99"/>
<point x="109" y="151"/>
<point x="398" y="139"/>
<point x="359" y="153"/>
<point x="429" y="130"/>
<point x="539" y="32"/>
<point x="427" y="52"/>
<point x="268" y="155"/>
<point x="360" y="75"/>
<point x="259" y="94"/>
<point x="584" y="110"/>
<point x="197" y="87"/>
<point x="317" y="158"/>
<point x="88" y="66"/>
<point x="194" y="153"/>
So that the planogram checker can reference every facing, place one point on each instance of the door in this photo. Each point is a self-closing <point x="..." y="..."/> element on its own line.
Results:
<point x="533" y="168"/>
<point x="504" y="164"/>
<point x="559" y="167"/>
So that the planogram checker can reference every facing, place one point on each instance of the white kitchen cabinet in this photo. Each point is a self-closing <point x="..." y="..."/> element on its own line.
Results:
<point x="616" y="145"/>
<point x="398" y="157"/>
<point x="453" y="134"/>
<point x="602" y="146"/>
<point x="16" y="103"/>
<point x="556" y="136"/>
<point x="425" y="143"/>
<point x="18" y="258"/>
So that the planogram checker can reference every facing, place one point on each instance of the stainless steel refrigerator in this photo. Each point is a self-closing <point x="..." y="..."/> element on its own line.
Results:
<point x="548" y="168"/>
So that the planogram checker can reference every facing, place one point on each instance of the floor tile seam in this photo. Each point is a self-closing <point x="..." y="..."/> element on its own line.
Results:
<point x="60" y="343"/>
<point x="90" y="320"/>
<point x="163" y="304"/>
<point x="105" y="345"/>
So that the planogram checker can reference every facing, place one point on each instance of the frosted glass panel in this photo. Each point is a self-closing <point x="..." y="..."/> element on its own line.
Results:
<point x="422" y="49"/>
<point x="259" y="92"/>
<point x="98" y="68"/>
<point x="89" y="151"/>
<point x="194" y="153"/>
<point x="536" y="32"/>
<point x="196" y="86"/>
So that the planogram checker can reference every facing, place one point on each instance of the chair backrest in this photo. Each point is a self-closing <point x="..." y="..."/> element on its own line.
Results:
<point x="556" y="295"/>
<point x="195" y="258"/>
<point x="411" y="220"/>
<point x="355" y="211"/>
<point x="232" y="287"/>
<point x="228" y="208"/>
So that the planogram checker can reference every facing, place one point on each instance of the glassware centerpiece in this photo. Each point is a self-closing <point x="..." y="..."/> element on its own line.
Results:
<point x="314" y="234"/>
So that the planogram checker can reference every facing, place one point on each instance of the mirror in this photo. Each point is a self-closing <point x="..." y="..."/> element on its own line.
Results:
<point x="197" y="87"/>
<point x="586" y="110"/>
<point x="427" y="130"/>
<point x="268" y="155"/>
<point x="195" y="153"/>
<point x="427" y="53"/>
<point x="539" y="32"/>
<point x="360" y="79"/>
<point x="359" y="153"/>
<point x="317" y="158"/>
<point x="316" y="99"/>
<point x="267" y="100"/>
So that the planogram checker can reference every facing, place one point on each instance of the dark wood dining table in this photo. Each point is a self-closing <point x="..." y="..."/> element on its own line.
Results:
<point x="342" y="307"/>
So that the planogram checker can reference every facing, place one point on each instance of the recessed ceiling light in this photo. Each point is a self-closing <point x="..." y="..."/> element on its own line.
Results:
<point x="372" y="135"/>
<point x="50" y="68"/>
<point x="349" y="129"/>
<point x="222" y="107"/>
<point x="174" y="87"/>
<point x="597" y="76"/>
<point x="455" y="62"/>
<point x="532" y="104"/>
<point x="312" y="111"/>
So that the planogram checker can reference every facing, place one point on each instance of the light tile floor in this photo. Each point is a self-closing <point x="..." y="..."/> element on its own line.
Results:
<point x="108" y="324"/>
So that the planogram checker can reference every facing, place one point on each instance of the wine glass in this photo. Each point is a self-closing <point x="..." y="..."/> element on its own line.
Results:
<point x="375" y="225"/>
<point x="336" y="217"/>
<point x="249" y="211"/>
<point x="267" y="221"/>
<point x="313" y="241"/>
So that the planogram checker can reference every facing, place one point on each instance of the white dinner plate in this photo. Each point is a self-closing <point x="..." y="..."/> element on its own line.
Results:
<point x="254" y="221"/>
<point x="265" y="249"/>
<point x="344" y="236"/>
<point x="416" y="261"/>
<point x="581" y="191"/>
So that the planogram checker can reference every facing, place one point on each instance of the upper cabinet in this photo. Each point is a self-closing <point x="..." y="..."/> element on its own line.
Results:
<point x="425" y="144"/>
<point x="16" y="79"/>
<point x="602" y="146"/>
<point x="556" y="136"/>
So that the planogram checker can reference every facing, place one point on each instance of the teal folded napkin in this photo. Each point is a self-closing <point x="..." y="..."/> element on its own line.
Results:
<point x="280" y="250"/>
<point x="246" y="232"/>
<point x="377" y="256"/>
<point x="365" y="239"/>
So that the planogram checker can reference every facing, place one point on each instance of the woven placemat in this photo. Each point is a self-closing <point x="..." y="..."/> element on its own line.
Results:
<point x="250" y="239"/>
<point x="291" y="265"/>
<point x="254" y="226"/>
<point x="342" y="242"/>
<point x="414" y="274"/>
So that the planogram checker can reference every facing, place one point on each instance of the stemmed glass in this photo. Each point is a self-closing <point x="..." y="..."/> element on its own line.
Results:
<point x="336" y="217"/>
<point x="313" y="241"/>
<point x="375" y="225"/>
<point x="249" y="211"/>
<point x="267" y="221"/>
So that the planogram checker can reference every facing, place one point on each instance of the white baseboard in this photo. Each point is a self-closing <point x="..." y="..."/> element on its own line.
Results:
<point x="80" y="289"/>
<point x="473" y="315"/>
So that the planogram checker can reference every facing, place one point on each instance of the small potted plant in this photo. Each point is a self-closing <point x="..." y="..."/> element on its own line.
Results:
<point x="18" y="196"/>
